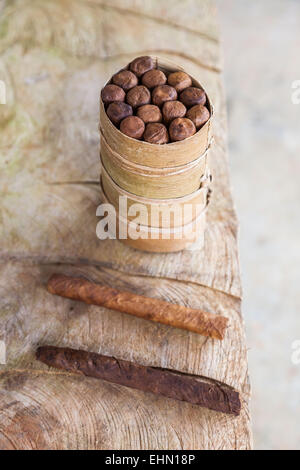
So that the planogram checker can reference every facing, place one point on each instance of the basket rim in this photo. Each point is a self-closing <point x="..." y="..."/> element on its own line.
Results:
<point x="158" y="60"/>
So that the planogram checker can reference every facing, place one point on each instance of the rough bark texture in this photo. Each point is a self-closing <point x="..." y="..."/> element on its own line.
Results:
<point x="55" y="56"/>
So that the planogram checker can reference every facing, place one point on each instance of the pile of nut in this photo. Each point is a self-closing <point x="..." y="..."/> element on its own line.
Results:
<point x="146" y="104"/>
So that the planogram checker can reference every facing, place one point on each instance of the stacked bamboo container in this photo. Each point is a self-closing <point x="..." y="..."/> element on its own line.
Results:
<point x="163" y="178"/>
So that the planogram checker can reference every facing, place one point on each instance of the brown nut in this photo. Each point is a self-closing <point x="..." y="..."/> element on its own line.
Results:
<point x="199" y="115"/>
<point x="125" y="79"/>
<point x="163" y="93"/>
<point x="181" y="128"/>
<point x="138" y="96"/>
<point x="192" y="96"/>
<point x="141" y="65"/>
<point x="156" y="133"/>
<point x="133" y="126"/>
<point x="179" y="80"/>
<point x="118" y="111"/>
<point x="154" y="78"/>
<point x="149" y="113"/>
<point x="111" y="93"/>
<point x="172" y="110"/>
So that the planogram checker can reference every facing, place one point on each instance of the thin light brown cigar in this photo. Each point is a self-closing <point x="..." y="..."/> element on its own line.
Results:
<point x="204" y="323"/>
<point x="198" y="391"/>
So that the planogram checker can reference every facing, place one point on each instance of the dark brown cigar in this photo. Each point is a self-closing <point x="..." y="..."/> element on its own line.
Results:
<point x="203" y="392"/>
<point x="204" y="323"/>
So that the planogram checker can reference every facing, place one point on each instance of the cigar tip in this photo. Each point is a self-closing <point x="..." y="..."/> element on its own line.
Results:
<point x="220" y="328"/>
<point x="51" y="281"/>
<point x="237" y="405"/>
<point x="44" y="353"/>
<point x="38" y="352"/>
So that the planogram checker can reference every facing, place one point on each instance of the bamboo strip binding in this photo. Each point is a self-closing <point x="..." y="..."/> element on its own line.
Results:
<point x="197" y="202"/>
<point x="159" y="239"/>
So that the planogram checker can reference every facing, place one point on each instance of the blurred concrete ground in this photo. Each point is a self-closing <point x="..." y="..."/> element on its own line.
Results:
<point x="262" y="60"/>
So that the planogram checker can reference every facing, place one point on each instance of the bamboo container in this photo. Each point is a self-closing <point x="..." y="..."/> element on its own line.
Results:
<point x="154" y="183"/>
<point x="173" y="212"/>
<point x="158" y="156"/>
<point x="159" y="177"/>
<point x="160" y="240"/>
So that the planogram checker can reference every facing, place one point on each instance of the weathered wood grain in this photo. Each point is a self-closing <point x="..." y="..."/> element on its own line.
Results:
<point x="61" y="412"/>
<point x="41" y="161"/>
<point x="54" y="57"/>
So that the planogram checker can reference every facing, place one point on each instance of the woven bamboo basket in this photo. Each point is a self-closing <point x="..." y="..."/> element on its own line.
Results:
<point x="160" y="240"/>
<point x="162" y="213"/>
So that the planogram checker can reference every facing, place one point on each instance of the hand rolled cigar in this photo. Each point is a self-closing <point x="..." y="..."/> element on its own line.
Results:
<point x="183" y="387"/>
<point x="204" y="323"/>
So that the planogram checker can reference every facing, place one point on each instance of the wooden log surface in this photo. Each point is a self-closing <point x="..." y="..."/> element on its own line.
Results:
<point x="54" y="57"/>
